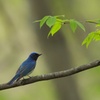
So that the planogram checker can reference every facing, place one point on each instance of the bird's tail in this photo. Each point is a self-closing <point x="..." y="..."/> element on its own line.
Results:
<point x="13" y="79"/>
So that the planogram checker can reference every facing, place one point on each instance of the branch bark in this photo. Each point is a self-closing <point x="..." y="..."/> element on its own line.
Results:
<point x="50" y="76"/>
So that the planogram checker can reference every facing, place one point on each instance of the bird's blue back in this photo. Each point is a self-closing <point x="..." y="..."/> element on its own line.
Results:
<point x="26" y="67"/>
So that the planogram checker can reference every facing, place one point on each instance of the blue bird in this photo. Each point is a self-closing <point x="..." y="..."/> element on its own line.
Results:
<point x="26" y="67"/>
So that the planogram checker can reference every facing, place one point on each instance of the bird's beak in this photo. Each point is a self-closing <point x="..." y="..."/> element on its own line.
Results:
<point x="40" y="54"/>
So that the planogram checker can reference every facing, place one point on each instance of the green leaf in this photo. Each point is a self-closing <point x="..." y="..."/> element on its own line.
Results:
<point x="56" y="27"/>
<point x="88" y="39"/>
<point x="51" y="21"/>
<point x="98" y="21"/>
<point x="97" y="25"/>
<point x="43" y="20"/>
<point x="80" y="25"/>
<point x="73" y="24"/>
<point x="97" y="36"/>
<point x="93" y="36"/>
<point x="59" y="20"/>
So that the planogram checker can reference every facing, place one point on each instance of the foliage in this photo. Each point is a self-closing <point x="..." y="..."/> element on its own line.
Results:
<point x="55" y="24"/>
<point x="92" y="36"/>
<point x="74" y="24"/>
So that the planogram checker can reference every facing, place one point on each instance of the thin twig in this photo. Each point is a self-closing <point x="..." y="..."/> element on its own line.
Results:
<point x="94" y="22"/>
<point x="50" y="76"/>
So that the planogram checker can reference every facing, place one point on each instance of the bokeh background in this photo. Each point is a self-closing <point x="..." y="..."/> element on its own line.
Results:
<point x="19" y="37"/>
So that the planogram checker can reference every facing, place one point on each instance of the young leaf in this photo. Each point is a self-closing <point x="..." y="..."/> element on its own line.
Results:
<point x="43" y="20"/>
<point x="73" y="25"/>
<point x="93" y="36"/>
<point x="51" y="21"/>
<point x="88" y="39"/>
<point x="97" y="36"/>
<point x="80" y="25"/>
<point x="56" y="27"/>
<point x="98" y="21"/>
<point x="97" y="25"/>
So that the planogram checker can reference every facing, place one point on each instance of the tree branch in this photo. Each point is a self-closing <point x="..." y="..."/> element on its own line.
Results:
<point x="50" y="76"/>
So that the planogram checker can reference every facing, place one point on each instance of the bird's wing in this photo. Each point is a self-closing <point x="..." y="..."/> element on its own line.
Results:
<point x="26" y="68"/>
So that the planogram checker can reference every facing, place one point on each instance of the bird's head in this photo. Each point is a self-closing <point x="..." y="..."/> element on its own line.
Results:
<point x="34" y="55"/>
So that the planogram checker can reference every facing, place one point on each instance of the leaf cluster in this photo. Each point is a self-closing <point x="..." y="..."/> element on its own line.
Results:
<point x="55" y="23"/>
<point x="92" y="36"/>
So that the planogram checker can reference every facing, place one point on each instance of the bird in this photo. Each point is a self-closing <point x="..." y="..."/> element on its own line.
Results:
<point x="25" y="68"/>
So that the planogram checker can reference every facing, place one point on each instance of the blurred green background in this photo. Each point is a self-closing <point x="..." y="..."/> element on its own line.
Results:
<point x="19" y="37"/>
